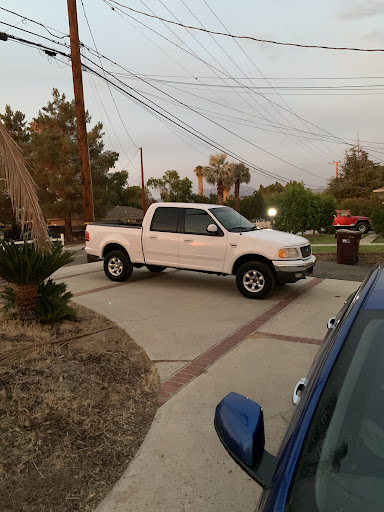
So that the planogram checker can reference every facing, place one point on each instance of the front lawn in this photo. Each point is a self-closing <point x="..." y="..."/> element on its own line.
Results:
<point x="362" y="249"/>
<point x="325" y="239"/>
<point x="379" y="240"/>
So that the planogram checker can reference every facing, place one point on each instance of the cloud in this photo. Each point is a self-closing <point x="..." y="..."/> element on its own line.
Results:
<point x="362" y="9"/>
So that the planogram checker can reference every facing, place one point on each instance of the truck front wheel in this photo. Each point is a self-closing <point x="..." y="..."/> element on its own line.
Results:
<point x="117" y="266"/>
<point x="255" y="280"/>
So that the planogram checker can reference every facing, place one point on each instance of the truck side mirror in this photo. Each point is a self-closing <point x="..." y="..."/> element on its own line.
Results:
<point x="239" y="424"/>
<point x="212" y="228"/>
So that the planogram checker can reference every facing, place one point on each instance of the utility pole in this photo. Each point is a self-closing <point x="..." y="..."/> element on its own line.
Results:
<point x="337" y="166"/>
<point x="142" y="182"/>
<point x="85" y="168"/>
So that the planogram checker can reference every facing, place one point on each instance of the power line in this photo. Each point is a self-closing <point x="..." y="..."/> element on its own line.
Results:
<point x="46" y="27"/>
<point x="113" y="99"/>
<point x="323" y="47"/>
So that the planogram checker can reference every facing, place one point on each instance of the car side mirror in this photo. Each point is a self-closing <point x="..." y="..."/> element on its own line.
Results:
<point x="239" y="424"/>
<point x="212" y="228"/>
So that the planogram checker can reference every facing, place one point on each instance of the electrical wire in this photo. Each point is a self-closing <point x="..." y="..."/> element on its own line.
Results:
<point x="323" y="47"/>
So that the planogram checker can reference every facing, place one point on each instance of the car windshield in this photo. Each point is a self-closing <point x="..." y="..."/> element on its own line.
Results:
<point x="231" y="220"/>
<point x="341" y="465"/>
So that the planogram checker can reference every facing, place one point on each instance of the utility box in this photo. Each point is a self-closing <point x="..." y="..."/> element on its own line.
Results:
<point x="347" y="246"/>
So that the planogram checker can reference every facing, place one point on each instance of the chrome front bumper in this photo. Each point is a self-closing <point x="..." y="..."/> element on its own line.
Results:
<point x="293" y="270"/>
<point x="294" y="265"/>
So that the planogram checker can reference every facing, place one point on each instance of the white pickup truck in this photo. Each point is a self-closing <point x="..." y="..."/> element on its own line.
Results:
<point x="204" y="238"/>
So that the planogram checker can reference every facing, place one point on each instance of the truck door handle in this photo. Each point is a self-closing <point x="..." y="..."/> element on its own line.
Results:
<point x="188" y="240"/>
<point x="153" y="237"/>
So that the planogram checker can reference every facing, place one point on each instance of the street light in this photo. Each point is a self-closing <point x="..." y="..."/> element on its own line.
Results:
<point x="272" y="213"/>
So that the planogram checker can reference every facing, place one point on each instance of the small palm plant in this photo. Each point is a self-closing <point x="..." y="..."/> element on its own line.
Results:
<point x="25" y="266"/>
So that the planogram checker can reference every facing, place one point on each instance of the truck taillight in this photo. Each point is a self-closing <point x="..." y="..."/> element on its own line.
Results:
<point x="86" y="236"/>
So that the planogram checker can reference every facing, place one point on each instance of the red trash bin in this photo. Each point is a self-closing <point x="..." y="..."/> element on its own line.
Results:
<point x="347" y="246"/>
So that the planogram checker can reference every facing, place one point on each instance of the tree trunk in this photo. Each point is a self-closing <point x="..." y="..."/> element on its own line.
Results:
<point x="237" y="195"/>
<point x="226" y="194"/>
<point x="26" y="300"/>
<point x="68" y="235"/>
<point x="220" y="189"/>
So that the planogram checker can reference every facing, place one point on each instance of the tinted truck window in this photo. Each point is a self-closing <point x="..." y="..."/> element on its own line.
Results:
<point x="197" y="221"/>
<point x="165" y="220"/>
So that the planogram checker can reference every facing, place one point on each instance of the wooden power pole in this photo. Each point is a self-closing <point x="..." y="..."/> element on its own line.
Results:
<point x="337" y="166"/>
<point x="142" y="183"/>
<point x="85" y="167"/>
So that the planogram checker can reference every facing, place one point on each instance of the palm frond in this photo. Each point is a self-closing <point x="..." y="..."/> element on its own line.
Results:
<point x="21" y="189"/>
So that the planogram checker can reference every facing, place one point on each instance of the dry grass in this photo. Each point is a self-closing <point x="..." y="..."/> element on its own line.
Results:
<point x="76" y="402"/>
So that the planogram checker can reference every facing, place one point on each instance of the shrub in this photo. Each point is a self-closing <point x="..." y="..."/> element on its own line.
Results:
<point x="52" y="304"/>
<point x="377" y="219"/>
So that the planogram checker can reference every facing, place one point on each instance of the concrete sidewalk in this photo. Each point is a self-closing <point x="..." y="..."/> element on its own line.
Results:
<point x="207" y="340"/>
<point x="181" y="465"/>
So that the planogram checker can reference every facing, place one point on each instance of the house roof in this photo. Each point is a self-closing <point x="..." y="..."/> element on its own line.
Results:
<point x="124" y="213"/>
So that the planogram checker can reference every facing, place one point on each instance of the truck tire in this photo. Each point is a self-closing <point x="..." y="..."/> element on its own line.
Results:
<point x="155" y="268"/>
<point x="117" y="266"/>
<point x="363" y="227"/>
<point x="255" y="280"/>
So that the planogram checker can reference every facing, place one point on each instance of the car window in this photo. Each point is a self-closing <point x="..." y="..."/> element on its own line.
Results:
<point x="165" y="219"/>
<point x="341" y="465"/>
<point x="197" y="221"/>
<point x="344" y="214"/>
<point x="231" y="220"/>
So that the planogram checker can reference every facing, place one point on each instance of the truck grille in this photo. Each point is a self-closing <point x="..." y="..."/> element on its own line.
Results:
<point x="305" y="251"/>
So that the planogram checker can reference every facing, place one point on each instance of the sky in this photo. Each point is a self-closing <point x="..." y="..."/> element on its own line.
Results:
<point x="265" y="104"/>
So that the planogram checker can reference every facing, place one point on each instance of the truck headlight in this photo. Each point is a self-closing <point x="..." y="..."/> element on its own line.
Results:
<point x="288" y="252"/>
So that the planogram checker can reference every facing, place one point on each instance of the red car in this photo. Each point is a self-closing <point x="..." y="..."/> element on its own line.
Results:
<point x="345" y="220"/>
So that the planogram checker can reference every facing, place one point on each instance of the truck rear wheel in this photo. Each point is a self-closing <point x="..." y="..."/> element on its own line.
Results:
<point x="255" y="280"/>
<point x="155" y="268"/>
<point x="117" y="266"/>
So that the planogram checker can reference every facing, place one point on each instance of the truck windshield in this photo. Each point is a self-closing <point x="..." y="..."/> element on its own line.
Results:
<point x="231" y="220"/>
<point x="341" y="466"/>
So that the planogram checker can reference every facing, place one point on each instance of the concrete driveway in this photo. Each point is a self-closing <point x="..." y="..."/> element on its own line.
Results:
<point x="206" y="340"/>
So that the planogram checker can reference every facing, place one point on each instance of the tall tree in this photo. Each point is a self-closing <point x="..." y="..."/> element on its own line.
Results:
<point x="55" y="160"/>
<point x="358" y="176"/>
<point x="172" y="187"/>
<point x="219" y="173"/>
<point x="241" y="174"/>
<point x="16" y="125"/>
<point x="199" y="171"/>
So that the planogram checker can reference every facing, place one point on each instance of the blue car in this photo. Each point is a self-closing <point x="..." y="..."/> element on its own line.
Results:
<point x="332" y="456"/>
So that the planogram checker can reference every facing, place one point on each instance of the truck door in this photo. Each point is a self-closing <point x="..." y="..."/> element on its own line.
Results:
<point x="161" y="238"/>
<point x="199" y="249"/>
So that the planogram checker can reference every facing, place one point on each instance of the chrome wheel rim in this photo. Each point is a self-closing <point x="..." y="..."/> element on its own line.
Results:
<point x="115" y="266"/>
<point x="253" y="281"/>
<point x="362" y="228"/>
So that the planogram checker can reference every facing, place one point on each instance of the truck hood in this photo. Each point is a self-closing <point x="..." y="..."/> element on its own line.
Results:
<point x="279" y="238"/>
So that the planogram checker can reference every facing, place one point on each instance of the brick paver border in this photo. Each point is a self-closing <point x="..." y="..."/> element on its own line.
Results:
<point x="189" y="372"/>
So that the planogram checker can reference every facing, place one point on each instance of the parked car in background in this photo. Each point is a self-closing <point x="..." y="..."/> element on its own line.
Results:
<point x="332" y="456"/>
<point x="345" y="220"/>
<point x="205" y="238"/>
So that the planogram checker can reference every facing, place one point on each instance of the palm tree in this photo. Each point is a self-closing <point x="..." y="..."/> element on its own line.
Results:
<point x="28" y="265"/>
<point x="219" y="173"/>
<point x="21" y="189"/>
<point x="241" y="174"/>
<point x="199" y="171"/>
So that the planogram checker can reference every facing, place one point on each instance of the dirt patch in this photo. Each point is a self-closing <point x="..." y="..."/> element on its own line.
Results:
<point x="76" y="402"/>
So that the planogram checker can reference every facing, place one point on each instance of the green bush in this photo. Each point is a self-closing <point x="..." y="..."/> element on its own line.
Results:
<point x="52" y="305"/>
<point x="377" y="219"/>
